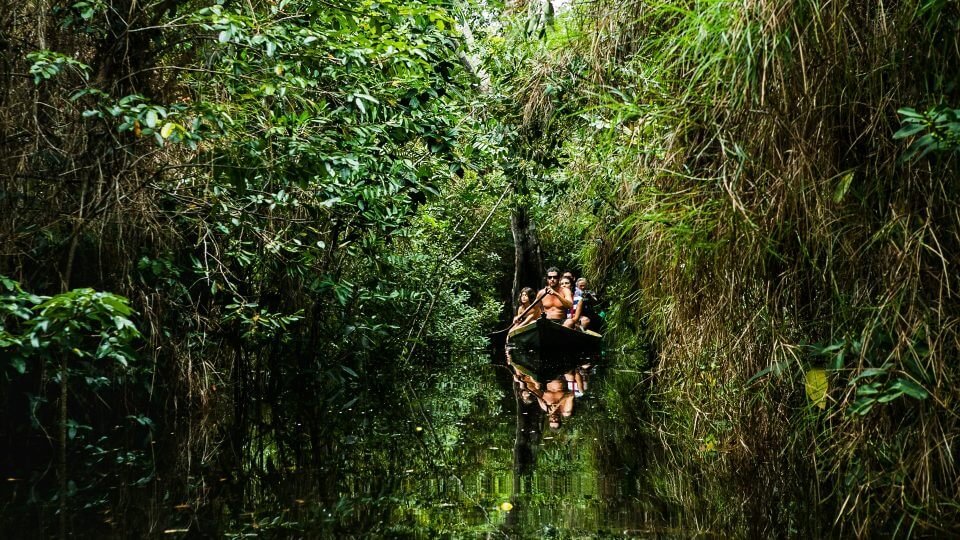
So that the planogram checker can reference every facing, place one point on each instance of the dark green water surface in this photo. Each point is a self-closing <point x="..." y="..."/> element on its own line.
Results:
<point x="462" y="453"/>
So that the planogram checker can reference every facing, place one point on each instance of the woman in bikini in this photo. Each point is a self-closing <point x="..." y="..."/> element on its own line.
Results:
<point x="527" y="299"/>
<point x="578" y="319"/>
<point x="567" y="285"/>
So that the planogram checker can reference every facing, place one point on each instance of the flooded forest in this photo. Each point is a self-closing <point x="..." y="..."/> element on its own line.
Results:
<point x="428" y="269"/>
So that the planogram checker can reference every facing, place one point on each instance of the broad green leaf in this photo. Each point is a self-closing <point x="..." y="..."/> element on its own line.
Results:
<point x="841" y="191"/>
<point x="19" y="365"/>
<point x="909" y="131"/>
<point x="909" y="112"/>
<point x="836" y="362"/>
<point x="870" y="372"/>
<point x="151" y="119"/>
<point x="871" y="389"/>
<point x="887" y="398"/>
<point x="817" y="387"/>
<point x="862" y="406"/>
<point x="909" y="388"/>
<point x="117" y="304"/>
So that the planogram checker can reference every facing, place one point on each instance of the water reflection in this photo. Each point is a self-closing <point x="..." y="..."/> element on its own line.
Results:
<point x="554" y="394"/>
<point x="546" y="386"/>
<point x="535" y="446"/>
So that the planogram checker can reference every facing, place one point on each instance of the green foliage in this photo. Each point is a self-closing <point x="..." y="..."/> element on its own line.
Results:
<point x="284" y="192"/>
<point x="935" y="130"/>
<point x="87" y="337"/>
<point x="49" y="64"/>
<point x="15" y="313"/>
<point x="84" y="324"/>
<point x="736" y="183"/>
<point x="364" y="149"/>
<point x="876" y="385"/>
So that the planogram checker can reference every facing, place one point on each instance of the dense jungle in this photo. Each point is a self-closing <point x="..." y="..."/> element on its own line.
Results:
<point x="254" y="254"/>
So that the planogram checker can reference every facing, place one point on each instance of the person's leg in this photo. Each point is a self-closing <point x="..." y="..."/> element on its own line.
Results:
<point x="581" y="384"/>
<point x="566" y="408"/>
<point x="569" y="323"/>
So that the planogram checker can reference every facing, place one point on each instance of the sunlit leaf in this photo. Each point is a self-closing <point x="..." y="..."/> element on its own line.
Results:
<point x="817" y="387"/>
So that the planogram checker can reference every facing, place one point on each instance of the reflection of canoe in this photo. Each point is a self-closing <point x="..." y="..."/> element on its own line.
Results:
<point x="546" y="350"/>
<point x="545" y="334"/>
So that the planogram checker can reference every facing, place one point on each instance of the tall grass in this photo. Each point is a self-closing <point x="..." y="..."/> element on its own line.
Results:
<point x="771" y="225"/>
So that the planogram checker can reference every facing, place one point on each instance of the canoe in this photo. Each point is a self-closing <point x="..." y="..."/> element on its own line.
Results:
<point x="545" y="350"/>
<point x="546" y="334"/>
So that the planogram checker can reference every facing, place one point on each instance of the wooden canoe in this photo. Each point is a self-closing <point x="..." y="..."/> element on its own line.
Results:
<point x="545" y="349"/>
<point x="546" y="334"/>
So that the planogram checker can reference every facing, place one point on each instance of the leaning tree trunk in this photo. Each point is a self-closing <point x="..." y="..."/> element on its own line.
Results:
<point x="528" y="263"/>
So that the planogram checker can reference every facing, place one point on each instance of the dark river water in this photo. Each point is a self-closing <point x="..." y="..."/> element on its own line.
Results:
<point x="485" y="449"/>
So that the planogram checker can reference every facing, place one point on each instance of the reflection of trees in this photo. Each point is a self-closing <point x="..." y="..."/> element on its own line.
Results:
<point x="526" y="442"/>
<point x="529" y="419"/>
<point x="386" y="466"/>
<point x="542" y="390"/>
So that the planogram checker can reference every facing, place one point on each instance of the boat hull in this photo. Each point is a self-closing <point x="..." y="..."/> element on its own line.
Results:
<point x="547" y="349"/>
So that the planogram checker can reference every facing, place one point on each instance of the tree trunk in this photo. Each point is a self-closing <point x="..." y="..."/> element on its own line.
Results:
<point x="528" y="263"/>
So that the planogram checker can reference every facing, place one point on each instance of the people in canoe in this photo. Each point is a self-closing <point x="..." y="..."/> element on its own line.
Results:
<point x="528" y="309"/>
<point x="559" y="301"/>
<point x="579" y="315"/>
<point x="556" y="300"/>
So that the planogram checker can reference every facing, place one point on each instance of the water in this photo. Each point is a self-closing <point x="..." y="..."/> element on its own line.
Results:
<point x="471" y="451"/>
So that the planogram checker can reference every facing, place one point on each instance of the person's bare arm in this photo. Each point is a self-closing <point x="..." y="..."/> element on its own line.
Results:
<point x="566" y="405"/>
<point x="578" y="312"/>
<point x="565" y="296"/>
<point x="532" y="315"/>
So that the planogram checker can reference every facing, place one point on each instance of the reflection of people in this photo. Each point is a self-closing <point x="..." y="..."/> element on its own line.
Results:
<point x="557" y="401"/>
<point x="527" y="312"/>
<point x="555" y="301"/>
<point x="576" y="381"/>
<point x="556" y="397"/>
<point x="529" y="418"/>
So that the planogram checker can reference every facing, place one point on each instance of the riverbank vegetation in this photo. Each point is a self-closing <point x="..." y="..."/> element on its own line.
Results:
<point x="263" y="182"/>
<point x="774" y="195"/>
<point x="296" y="210"/>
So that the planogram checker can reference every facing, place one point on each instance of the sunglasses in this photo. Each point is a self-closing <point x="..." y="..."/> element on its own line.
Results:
<point x="552" y="277"/>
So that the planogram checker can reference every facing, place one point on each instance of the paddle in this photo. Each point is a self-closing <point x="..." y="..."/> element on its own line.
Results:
<point x="495" y="336"/>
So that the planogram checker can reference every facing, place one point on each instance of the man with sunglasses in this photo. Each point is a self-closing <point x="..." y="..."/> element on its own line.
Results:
<point x="556" y="300"/>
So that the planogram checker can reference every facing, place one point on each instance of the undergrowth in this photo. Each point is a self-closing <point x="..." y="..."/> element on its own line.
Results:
<point x="764" y="188"/>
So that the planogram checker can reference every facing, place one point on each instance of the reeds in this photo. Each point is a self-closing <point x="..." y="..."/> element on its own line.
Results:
<point x="765" y="213"/>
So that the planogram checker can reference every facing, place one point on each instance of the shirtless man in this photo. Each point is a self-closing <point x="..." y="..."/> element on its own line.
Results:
<point x="556" y="301"/>
<point x="557" y="401"/>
